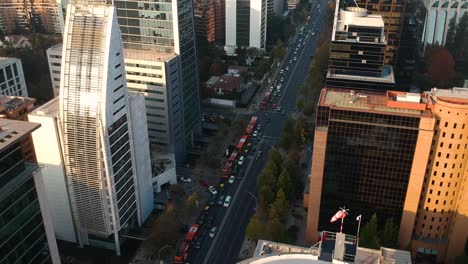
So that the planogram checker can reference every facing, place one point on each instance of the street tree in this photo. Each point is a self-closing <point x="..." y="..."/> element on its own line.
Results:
<point x="440" y="66"/>
<point x="255" y="229"/>
<point x="450" y="41"/>
<point x="389" y="234"/>
<point x="368" y="236"/>
<point x="278" y="50"/>
<point x="276" y="158"/>
<point x="279" y="207"/>
<point x="266" y="196"/>
<point x="461" y="36"/>
<point x="262" y="67"/>
<point x="159" y="237"/>
<point x="286" y="183"/>
<point x="276" y="230"/>
<point x="217" y="69"/>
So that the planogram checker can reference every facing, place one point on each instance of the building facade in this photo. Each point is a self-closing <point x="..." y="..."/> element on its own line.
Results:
<point x="166" y="27"/>
<point x="246" y="22"/>
<point x="18" y="108"/>
<point x="397" y="154"/>
<point x="438" y="232"/>
<point x="12" y="80"/>
<point x="357" y="52"/>
<point x="392" y="13"/>
<point x="209" y="20"/>
<point x="27" y="231"/>
<point x="368" y="145"/>
<point x="54" y="59"/>
<point x="438" y="16"/>
<point x="156" y="76"/>
<point x="43" y="16"/>
<point x="103" y="188"/>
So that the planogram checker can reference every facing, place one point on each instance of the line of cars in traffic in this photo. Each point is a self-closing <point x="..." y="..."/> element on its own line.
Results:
<point x="220" y="196"/>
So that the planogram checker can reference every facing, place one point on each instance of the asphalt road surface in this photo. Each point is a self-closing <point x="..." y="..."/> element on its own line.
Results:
<point x="232" y="221"/>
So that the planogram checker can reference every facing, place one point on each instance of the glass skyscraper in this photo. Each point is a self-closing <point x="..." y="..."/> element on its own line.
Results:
<point x="165" y="26"/>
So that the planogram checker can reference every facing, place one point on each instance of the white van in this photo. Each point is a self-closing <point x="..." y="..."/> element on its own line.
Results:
<point x="227" y="201"/>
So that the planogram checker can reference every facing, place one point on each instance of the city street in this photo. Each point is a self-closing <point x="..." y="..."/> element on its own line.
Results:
<point x="232" y="221"/>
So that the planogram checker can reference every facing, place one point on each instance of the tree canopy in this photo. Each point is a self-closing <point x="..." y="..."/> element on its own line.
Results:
<point x="368" y="235"/>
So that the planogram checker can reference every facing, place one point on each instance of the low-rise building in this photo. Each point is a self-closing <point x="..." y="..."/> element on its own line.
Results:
<point x="12" y="80"/>
<point x="225" y="85"/>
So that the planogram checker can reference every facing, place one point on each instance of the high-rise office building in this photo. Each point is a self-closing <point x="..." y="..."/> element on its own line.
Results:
<point x="27" y="233"/>
<point x="438" y="16"/>
<point x="99" y="188"/>
<point x="357" y="52"/>
<point x="246" y="23"/>
<point x="397" y="154"/>
<point x="209" y="20"/>
<point x="31" y="16"/>
<point x="368" y="146"/>
<point x="165" y="28"/>
<point x="438" y="213"/>
<point x="392" y="12"/>
<point x="12" y="80"/>
<point x="54" y="59"/>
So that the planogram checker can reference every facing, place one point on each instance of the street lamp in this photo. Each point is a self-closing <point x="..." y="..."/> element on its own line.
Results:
<point x="159" y="252"/>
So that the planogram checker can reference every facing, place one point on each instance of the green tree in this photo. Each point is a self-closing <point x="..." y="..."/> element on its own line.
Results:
<point x="389" y="234"/>
<point x="262" y="67"/>
<point x="279" y="207"/>
<point x="255" y="228"/>
<point x="276" y="230"/>
<point x="368" y="236"/>
<point x="157" y="236"/>
<point x="276" y="158"/>
<point x="267" y="177"/>
<point x="450" y="41"/>
<point x="300" y="104"/>
<point x="239" y="125"/>
<point x="286" y="183"/>
<point x="461" y="36"/>
<point x="266" y="196"/>
<point x="309" y="108"/>
<point x="279" y="50"/>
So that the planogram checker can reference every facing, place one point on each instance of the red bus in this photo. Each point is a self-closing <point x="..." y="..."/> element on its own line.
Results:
<point x="251" y="126"/>
<point x="240" y="145"/>
<point x="226" y="170"/>
<point x="233" y="156"/>
<point x="181" y="253"/>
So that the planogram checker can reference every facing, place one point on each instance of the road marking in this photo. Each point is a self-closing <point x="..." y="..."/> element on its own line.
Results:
<point x="232" y="204"/>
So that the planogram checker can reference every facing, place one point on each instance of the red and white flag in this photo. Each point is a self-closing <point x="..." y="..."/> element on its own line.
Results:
<point x="341" y="214"/>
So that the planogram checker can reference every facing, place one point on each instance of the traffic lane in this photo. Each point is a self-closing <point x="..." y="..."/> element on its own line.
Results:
<point x="229" y="244"/>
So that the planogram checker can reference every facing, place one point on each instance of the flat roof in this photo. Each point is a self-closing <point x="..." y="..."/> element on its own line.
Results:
<point x="285" y="259"/>
<point x="50" y="108"/>
<point x="366" y="100"/>
<point x="387" y="76"/>
<point x="9" y="103"/>
<point x="11" y="131"/>
<point x="455" y="95"/>
<point x="7" y="60"/>
<point x="148" y="55"/>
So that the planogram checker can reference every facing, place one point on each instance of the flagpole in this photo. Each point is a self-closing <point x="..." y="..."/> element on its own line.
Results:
<point x="358" y="228"/>
<point x="341" y="228"/>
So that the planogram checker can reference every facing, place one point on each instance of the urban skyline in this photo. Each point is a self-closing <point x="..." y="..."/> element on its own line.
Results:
<point x="232" y="132"/>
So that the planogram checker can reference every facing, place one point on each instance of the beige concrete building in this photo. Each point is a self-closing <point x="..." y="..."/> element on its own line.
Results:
<point x="400" y="155"/>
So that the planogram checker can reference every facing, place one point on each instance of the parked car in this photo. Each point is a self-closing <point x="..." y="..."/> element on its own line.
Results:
<point x="221" y="187"/>
<point x="198" y="244"/>
<point x="186" y="179"/>
<point x="206" y="209"/>
<point x="255" y="133"/>
<point x="212" y="190"/>
<point x="231" y="179"/>
<point x="213" y="232"/>
<point x="240" y="161"/>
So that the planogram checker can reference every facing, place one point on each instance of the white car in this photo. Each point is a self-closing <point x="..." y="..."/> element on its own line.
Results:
<point x="213" y="232"/>
<point x="231" y="179"/>
<point x="287" y="68"/>
<point x="212" y="190"/>
<point x="186" y="179"/>
<point x="259" y="126"/>
<point x="240" y="161"/>
<point x="313" y="33"/>
<point x="295" y="58"/>
<point x="278" y="109"/>
<point x="255" y="133"/>
<point x="227" y="202"/>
